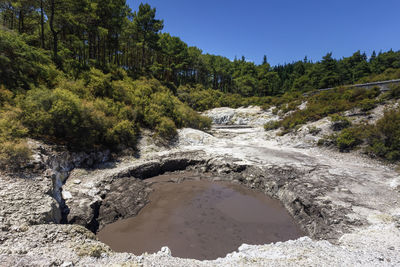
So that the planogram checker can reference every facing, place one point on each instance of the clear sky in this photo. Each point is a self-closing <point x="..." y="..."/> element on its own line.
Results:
<point x="284" y="30"/>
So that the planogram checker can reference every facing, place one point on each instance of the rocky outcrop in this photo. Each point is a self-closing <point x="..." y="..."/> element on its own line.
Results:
<point x="241" y="116"/>
<point x="26" y="202"/>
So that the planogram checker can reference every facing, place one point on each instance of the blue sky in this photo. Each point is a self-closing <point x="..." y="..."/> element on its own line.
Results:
<point x="284" y="30"/>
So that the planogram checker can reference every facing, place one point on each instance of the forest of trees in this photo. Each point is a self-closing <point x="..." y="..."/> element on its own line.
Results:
<point x="91" y="73"/>
<point x="91" y="33"/>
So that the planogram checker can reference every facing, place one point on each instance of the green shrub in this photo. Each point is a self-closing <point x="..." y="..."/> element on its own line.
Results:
<point x="394" y="92"/>
<point x="14" y="150"/>
<point x="384" y="139"/>
<point x="186" y="117"/>
<point x="290" y="106"/>
<point x="388" y="74"/>
<point x="5" y="96"/>
<point x="124" y="133"/>
<point x="339" y="122"/>
<point x="166" y="128"/>
<point x="349" y="138"/>
<point x="60" y="115"/>
<point x="13" y="154"/>
<point x="367" y="104"/>
<point x="271" y="125"/>
<point x="374" y="92"/>
<point x="11" y="127"/>
<point x="201" y="99"/>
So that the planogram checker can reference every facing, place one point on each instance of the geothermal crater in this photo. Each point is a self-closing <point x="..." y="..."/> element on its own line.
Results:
<point x="201" y="219"/>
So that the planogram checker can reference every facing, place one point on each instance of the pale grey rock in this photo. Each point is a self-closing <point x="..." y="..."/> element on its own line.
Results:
<point x="252" y="116"/>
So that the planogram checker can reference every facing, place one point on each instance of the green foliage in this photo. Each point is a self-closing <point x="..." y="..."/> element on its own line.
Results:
<point x="62" y="115"/>
<point x="102" y="48"/>
<point x="166" y="128"/>
<point x="381" y="139"/>
<point x="11" y="127"/>
<point x="201" y="99"/>
<point x="384" y="138"/>
<point x="23" y="66"/>
<point x="326" y="103"/>
<point x="124" y="132"/>
<point x="339" y="122"/>
<point x="99" y="110"/>
<point x="103" y="34"/>
<point x="394" y="92"/>
<point x="349" y="138"/>
<point x="271" y="125"/>
<point x="367" y="104"/>
<point x="14" y="153"/>
<point x="5" y="96"/>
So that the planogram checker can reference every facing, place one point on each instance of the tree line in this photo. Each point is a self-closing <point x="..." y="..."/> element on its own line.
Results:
<point x="81" y="34"/>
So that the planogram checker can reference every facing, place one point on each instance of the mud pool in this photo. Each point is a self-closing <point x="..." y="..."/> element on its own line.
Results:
<point x="201" y="219"/>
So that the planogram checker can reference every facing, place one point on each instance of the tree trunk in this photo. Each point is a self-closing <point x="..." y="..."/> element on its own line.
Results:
<point x="12" y="20"/>
<point x="22" y="21"/>
<point x="54" y="33"/>
<point x="19" y="21"/>
<point x="143" y="55"/>
<point x="41" y="24"/>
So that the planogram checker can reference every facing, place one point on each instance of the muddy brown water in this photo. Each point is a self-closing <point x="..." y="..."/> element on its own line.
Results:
<point x="201" y="219"/>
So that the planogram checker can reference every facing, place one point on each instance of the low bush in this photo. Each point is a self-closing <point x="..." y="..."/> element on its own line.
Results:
<point x="349" y="138"/>
<point x="367" y="104"/>
<point x="339" y="122"/>
<point x="384" y="139"/>
<point x="14" y="150"/>
<point x="271" y="125"/>
<point x="388" y="74"/>
<point x="201" y="99"/>
<point x="394" y="92"/>
<point x="103" y="110"/>
<point x="326" y="103"/>
<point x="166" y="128"/>
<point x="381" y="139"/>
<point x="13" y="154"/>
<point x="6" y="96"/>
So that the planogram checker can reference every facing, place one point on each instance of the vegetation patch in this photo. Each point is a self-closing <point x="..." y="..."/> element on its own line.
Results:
<point x="326" y="103"/>
<point x="381" y="139"/>
<point x="92" y="250"/>
<point x="339" y="122"/>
